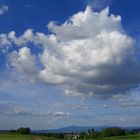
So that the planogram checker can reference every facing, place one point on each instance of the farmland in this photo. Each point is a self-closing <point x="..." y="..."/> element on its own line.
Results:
<point x="10" y="136"/>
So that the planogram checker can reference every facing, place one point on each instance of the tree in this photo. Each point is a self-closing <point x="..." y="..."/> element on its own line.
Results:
<point x="13" y="131"/>
<point x="89" y="131"/>
<point x="23" y="130"/>
<point x="92" y="130"/>
<point x="112" y="132"/>
<point x="83" y="135"/>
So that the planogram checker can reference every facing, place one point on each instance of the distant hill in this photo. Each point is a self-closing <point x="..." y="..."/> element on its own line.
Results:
<point x="79" y="129"/>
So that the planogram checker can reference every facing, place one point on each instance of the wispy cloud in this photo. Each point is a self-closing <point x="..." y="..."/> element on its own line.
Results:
<point x="5" y="109"/>
<point x="79" y="107"/>
<point x="3" y="9"/>
<point x="28" y="6"/>
<point x="99" y="4"/>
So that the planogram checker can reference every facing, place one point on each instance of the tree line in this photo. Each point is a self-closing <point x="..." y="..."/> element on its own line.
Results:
<point x="22" y="130"/>
<point x="91" y="133"/>
<point x="107" y="132"/>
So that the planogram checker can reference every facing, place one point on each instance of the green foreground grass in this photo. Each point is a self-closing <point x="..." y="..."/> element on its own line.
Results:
<point x="129" y="137"/>
<point x="9" y="136"/>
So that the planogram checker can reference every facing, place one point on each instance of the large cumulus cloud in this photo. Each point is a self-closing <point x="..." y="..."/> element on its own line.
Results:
<point x="88" y="55"/>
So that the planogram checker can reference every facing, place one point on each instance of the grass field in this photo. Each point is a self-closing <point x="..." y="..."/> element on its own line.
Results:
<point x="131" y="137"/>
<point x="9" y="136"/>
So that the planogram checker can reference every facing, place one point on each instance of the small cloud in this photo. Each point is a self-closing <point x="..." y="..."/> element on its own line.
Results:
<point x="28" y="6"/>
<point x="99" y="4"/>
<point x="60" y="114"/>
<point x="80" y="107"/>
<point x="129" y="103"/>
<point x="105" y="106"/>
<point x="3" y="9"/>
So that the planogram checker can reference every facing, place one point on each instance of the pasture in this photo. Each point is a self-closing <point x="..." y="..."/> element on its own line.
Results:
<point x="10" y="136"/>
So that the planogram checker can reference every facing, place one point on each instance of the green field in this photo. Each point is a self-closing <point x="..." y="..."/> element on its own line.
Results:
<point x="9" y="136"/>
<point x="131" y="137"/>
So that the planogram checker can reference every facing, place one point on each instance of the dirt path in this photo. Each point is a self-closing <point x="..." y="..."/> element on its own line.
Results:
<point x="35" y="138"/>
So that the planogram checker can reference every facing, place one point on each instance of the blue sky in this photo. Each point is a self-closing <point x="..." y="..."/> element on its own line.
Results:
<point x="69" y="62"/>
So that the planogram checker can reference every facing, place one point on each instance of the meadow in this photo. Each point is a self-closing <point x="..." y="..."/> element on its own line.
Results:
<point x="10" y="136"/>
<point x="129" y="137"/>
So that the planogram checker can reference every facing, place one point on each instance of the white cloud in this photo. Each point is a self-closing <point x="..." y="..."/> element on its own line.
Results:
<point x="5" y="43"/>
<point x="98" y="4"/>
<point x="5" y="109"/>
<point x="89" y="55"/>
<point x="23" y="112"/>
<point x="3" y="9"/>
<point x="79" y="107"/>
<point x="24" y="62"/>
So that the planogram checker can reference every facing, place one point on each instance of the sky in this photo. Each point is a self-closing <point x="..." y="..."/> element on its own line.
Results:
<point x="69" y="62"/>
